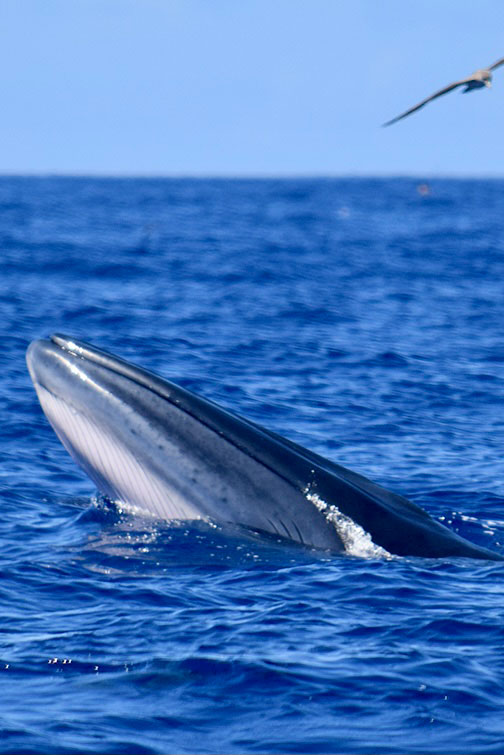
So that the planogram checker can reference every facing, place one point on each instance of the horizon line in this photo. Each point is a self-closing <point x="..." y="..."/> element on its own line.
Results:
<point x="249" y="175"/>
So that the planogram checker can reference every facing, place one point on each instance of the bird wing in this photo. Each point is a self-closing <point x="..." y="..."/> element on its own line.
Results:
<point x="445" y="90"/>
<point x="496" y="64"/>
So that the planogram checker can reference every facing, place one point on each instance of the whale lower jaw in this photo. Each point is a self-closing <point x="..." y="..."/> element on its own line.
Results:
<point x="112" y="466"/>
<point x="159" y="448"/>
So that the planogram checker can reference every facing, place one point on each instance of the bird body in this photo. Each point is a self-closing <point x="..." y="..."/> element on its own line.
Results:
<point x="480" y="78"/>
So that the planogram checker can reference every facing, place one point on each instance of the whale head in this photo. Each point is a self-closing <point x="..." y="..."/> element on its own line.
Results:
<point x="152" y="445"/>
<point x="163" y="450"/>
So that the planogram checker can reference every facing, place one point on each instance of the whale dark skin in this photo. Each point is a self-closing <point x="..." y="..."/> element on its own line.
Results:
<point x="154" y="445"/>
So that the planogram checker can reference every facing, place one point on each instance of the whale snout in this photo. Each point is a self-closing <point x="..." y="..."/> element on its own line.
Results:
<point x="36" y="360"/>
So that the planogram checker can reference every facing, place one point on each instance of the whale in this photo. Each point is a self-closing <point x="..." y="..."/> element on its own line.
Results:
<point x="160" y="449"/>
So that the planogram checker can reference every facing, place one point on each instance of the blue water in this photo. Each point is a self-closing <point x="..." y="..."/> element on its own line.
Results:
<point x="361" y="318"/>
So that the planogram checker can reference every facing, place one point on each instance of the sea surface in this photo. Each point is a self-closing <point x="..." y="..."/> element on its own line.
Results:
<point x="362" y="318"/>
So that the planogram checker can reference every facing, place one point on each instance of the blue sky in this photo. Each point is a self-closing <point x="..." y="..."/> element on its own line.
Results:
<point x="248" y="87"/>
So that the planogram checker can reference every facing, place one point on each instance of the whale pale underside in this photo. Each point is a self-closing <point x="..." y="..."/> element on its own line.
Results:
<point x="160" y="448"/>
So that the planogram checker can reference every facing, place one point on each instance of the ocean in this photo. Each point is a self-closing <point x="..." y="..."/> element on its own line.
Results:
<point x="362" y="318"/>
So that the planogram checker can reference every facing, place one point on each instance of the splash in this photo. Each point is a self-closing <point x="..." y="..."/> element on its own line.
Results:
<point x="356" y="540"/>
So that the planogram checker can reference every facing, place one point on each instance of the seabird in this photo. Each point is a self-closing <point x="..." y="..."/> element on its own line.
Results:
<point x="481" y="78"/>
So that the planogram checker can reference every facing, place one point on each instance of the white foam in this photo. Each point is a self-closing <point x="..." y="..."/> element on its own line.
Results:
<point x="356" y="540"/>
